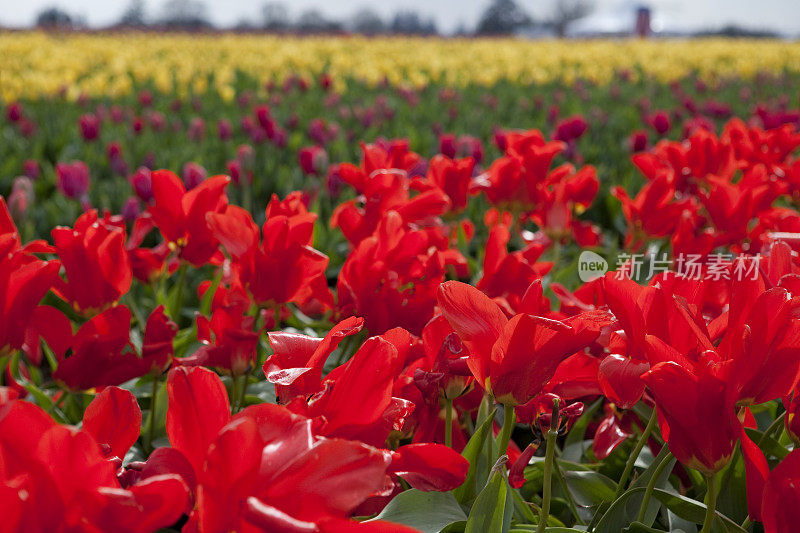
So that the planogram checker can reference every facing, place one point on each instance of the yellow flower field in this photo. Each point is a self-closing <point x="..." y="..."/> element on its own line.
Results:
<point x="35" y="64"/>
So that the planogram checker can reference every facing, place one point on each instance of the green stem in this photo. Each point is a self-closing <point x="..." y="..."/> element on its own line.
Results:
<point x="344" y="348"/>
<point x="177" y="302"/>
<point x="490" y="459"/>
<point x="552" y="433"/>
<point x="277" y="312"/>
<point x="509" y="419"/>
<point x="747" y="523"/>
<point x="245" y="379"/>
<point x="556" y="254"/>
<point x="623" y="481"/>
<point x="570" y="501"/>
<point x="130" y="301"/>
<point x="152" y="426"/>
<point x="49" y="355"/>
<point x="234" y="394"/>
<point x="711" y="504"/>
<point x="448" y="422"/>
<point x="776" y="424"/>
<point x="651" y="485"/>
<point x="247" y="194"/>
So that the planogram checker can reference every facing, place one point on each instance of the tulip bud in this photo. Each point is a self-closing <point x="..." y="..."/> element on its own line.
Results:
<point x="14" y="112"/>
<point x="197" y="129"/>
<point x="638" y="141"/>
<point x="89" y="127"/>
<point x="142" y="184"/>
<point x="334" y="181"/>
<point x="224" y="130"/>
<point x="145" y="98"/>
<point x="130" y="209"/>
<point x="325" y="81"/>
<point x="280" y="138"/>
<point x="137" y="125"/>
<point x="262" y="113"/>
<point x="660" y="122"/>
<point x="20" y="198"/>
<point x="27" y="128"/>
<point x="30" y="168"/>
<point x="500" y="139"/>
<point x="157" y="121"/>
<point x="313" y="160"/>
<point x="234" y="169"/>
<point x="469" y="146"/>
<point x="447" y="145"/>
<point x="73" y="179"/>
<point x="117" y="114"/>
<point x="193" y="175"/>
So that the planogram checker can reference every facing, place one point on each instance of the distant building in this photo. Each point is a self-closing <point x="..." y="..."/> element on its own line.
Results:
<point x="621" y="18"/>
<point x="643" y="21"/>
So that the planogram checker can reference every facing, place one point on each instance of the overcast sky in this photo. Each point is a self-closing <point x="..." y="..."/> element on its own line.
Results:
<point x="782" y="16"/>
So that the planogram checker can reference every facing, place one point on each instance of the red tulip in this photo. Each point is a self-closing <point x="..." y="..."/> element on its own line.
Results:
<point x="234" y="344"/>
<point x="780" y="499"/>
<point x="56" y="477"/>
<point x="95" y="261"/>
<point x="297" y="361"/>
<point x="283" y="267"/>
<point x="102" y="352"/>
<point x="507" y="276"/>
<point x="452" y="177"/>
<point x="24" y="280"/>
<point x="391" y="278"/>
<point x="695" y="418"/>
<point x="513" y="358"/>
<point x="181" y="215"/>
<point x="429" y="467"/>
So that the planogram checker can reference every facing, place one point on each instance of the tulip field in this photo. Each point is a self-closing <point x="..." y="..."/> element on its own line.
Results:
<point x="301" y="285"/>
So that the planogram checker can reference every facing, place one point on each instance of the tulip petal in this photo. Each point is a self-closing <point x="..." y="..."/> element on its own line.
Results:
<point x="114" y="418"/>
<point x="198" y="409"/>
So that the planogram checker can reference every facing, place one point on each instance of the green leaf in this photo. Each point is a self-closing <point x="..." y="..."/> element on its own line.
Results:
<point x="733" y="489"/>
<point x="455" y="527"/>
<point x="524" y="512"/>
<point x="162" y="403"/>
<point x="208" y="297"/>
<point x="693" y="510"/>
<point x="769" y="445"/>
<point x="590" y="488"/>
<point x="638" y="527"/>
<point x="618" y="515"/>
<point x="661" y="483"/>
<point x="527" y="528"/>
<point x="492" y="509"/>
<point x="429" y="512"/>
<point x="472" y="453"/>
<point x="574" y="443"/>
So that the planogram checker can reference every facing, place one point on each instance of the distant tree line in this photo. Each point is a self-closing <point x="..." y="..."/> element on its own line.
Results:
<point x="275" y="17"/>
<point x="500" y="17"/>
